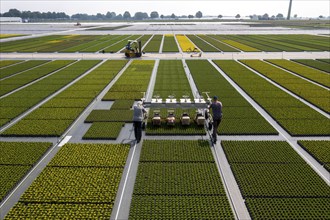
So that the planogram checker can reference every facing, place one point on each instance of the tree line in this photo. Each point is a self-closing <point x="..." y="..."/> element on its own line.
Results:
<point x="36" y="15"/>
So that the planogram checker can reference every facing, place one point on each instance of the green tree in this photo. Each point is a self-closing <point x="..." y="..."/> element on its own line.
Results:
<point x="199" y="14"/>
<point x="154" y="14"/>
<point x="127" y="15"/>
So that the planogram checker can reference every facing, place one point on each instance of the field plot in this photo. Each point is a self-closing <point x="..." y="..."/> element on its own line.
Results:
<point x="170" y="44"/>
<point x="239" y="117"/>
<point x="3" y="36"/>
<point x="83" y="46"/>
<point x="216" y="43"/>
<point x="121" y="44"/>
<point x="294" y="116"/>
<point x="59" y="191"/>
<point x="318" y="43"/>
<point x="280" y="178"/>
<point x="181" y="183"/>
<point x="17" y="158"/>
<point x="234" y="43"/>
<point x="315" y="64"/>
<point x="175" y="172"/>
<point x="185" y="44"/>
<point x="319" y="150"/>
<point x="144" y="39"/>
<point x="16" y="103"/>
<point x="11" y="83"/>
<point x="128" y="88"/>
<point x="133" y="82"/>
<point x="308" y="91"/>
<point x="104" y="44"/>
<point x="307" y="72"/>
<point x="171" y="80"/>
<point x="205" y="47"/>
<point x="266" y="44"/>
<point x="45" y="44"/>
<point x="6" y="63"/>
<point x="104" y="130"/>
<point x="324" y="60"/>
<point x="64" y="108"/>
<point x="154" y="44"/>
<point x="11" y="70"/>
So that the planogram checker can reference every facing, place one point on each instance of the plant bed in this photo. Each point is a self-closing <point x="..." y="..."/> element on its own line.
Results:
<point x="319" y="150"/>
<point x="91" y="155"/>
<point x="110" y="116"/>
<point x="163" y="151"/>
<point x="122" y="104"/>
<point x="104" y="130"/>
<point x="60" y="210"/>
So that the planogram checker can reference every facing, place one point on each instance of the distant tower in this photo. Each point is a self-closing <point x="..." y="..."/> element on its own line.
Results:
<point x="289" y="12"/>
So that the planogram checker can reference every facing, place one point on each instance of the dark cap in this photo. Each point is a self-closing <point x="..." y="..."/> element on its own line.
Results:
<point x="215" y="97"/>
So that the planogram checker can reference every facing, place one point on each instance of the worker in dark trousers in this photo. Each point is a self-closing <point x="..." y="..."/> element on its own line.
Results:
<point x="216" y="107"/>
<point x="138" y="116"/>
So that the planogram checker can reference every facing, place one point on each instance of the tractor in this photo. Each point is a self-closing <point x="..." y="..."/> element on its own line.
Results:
<point x="133" y="49"/>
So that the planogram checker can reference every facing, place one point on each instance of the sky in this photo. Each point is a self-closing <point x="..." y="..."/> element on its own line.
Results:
<point x="303" y="8"/>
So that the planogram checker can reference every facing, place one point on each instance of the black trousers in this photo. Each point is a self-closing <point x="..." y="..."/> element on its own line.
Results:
<point x="216" y="123"/>
<point x="137" y="130"/>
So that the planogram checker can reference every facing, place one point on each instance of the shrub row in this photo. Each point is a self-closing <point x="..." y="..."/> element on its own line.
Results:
<point x="95" y="41"/>
<point x="154" y="44"/>
<point x="104" y="130"/>
<point x="60" y="183"/>
<point x="17" y="158"/>
<point x="24" y="210"/>
<point x="31" y="95"/>
<point x="300" y="120"/>
<point x="172" y="183"/>
<point x="105" y="44"/>
<point x="218" y="44"/>
<point x="289" y="208"/>
<point x="144" y="39"/>
<point x="7" y="63"/>
<point x="235" y="44"/>
<point x="202" y="44"/>
<point x="315" y="64"/>
<point x="119" y="45"/>
<point x="235" y="121"/>
<point x="176" y="151"/>
<point x="304" y="71"/>
<point x="281" y="184"/>
<point x="12" y="83"/>
<point x="8" y="71"/>
<point x="319" y="150"/>
<point x="170" y="44"/>
<point x="171" y="80"/>
<point x="308" y="91"/>
<point x="136" y="76"/>
<point x="184" y="42"/>
<point x="61" y="110"/>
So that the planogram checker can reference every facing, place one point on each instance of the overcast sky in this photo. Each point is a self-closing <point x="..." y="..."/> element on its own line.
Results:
<point x="304" y="8"/>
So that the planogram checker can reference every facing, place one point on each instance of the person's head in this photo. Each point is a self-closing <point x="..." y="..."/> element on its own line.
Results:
<point x="215" y="98"/>
<point x="139" y="103"/>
